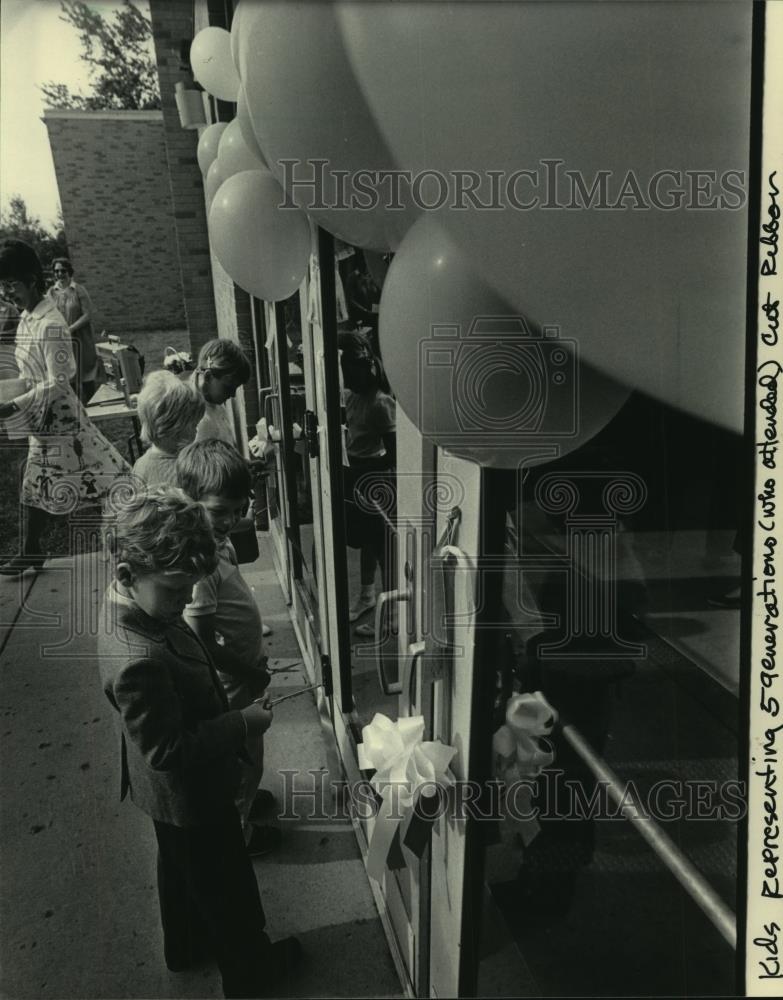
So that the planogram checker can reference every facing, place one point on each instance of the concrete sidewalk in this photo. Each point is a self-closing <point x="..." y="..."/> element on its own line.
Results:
<point x="78" y="904"/>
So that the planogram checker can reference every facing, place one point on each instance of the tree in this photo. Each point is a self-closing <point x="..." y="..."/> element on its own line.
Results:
<point x="120" y="56"/>
<point x="17" y="222"/>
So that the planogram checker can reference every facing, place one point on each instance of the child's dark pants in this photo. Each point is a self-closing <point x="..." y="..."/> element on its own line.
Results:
<point x="210" y="904"/>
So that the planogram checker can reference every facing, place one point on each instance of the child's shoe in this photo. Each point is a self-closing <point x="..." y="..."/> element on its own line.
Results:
<point x="263" y="840"/>
<point x="17" y="565"/>
<point x="286" y="962"/>
<point x="367" y="629"/>
<point x="263" y="804"/>
<point x="360" y="606"/>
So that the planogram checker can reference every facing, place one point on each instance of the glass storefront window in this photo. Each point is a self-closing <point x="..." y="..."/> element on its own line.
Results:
<point x="621" y="606"/>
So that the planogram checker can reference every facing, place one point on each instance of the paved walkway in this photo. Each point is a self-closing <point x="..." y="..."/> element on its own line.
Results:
<point x="78" y="907"/>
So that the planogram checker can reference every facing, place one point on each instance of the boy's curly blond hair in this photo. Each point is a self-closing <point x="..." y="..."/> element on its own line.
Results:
<point x="169" y="408"/>
<point x="160" y="528"/>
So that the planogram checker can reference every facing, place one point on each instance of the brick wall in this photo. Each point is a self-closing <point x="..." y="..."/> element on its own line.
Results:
<point x="214" y="305"/>
<point x="172" y="21"/>
<point x="113" y="179"/>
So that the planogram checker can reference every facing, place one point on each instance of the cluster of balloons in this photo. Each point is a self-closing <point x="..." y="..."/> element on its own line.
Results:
<point x="609" y="97"/>
<point x="304" y="106"/>
<point x="264" y="248"/>
<point x="597" y="110"/>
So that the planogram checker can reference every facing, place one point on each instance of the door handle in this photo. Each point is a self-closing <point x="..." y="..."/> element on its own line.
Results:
<point x="463" y="563"/>
<point x="268" y="407"/>
<point x="311" y="433"/>
<point x="387" y="597"/>
<point x="415" y="651"/>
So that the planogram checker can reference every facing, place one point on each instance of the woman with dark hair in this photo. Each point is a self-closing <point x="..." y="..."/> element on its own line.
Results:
<point x="69" y="462"/>
<point x="74" y="303"/>
<point x="222" y="368"/>
<point x="9" y="321"/>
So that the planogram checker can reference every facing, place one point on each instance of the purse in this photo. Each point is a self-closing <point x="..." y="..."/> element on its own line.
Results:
<point x="245" y="540"/>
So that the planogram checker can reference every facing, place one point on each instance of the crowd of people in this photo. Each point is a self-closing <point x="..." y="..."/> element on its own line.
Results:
<point x="70" y="464"/>
<point x="75" y="306"/>
<point x="181" y="653"/>
<point x="181" y="649"/>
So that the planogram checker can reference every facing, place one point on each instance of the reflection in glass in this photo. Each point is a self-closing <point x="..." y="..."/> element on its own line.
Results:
<point x="587" y="907"/>
<point x="297" y="376"/>
<point x="369" y="469"/>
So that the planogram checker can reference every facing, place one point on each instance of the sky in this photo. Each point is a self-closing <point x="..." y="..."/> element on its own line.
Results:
<point x="35" y="47"/>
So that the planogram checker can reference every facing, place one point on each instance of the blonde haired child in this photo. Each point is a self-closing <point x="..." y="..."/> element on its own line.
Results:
<point x="169" y="411"/>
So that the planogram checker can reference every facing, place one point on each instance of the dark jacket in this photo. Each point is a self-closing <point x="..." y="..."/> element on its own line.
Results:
<point x="178" y="740"/>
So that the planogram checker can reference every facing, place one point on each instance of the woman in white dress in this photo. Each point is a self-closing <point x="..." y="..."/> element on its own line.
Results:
<point x="69" y="463"/>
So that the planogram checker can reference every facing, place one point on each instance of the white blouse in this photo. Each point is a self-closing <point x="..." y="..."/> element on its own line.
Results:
<point x="217" y="422"/>
<point x="44" y="355"/>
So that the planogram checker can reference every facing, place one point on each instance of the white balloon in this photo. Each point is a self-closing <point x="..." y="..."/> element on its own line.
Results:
<point x="212" y="182"/>
<point x="233" y="153"/>
<point x="243" y="117"/>
<point x="240" y="9"/>
<point x="305" y="105"/>
<point x="655" y="295"/>
<point x="212" y="65"/>
<point x="208" y="143"/>
<point x="378" y="266"/>
<point x="264" y="248"/>
<point x="474" y="376"/>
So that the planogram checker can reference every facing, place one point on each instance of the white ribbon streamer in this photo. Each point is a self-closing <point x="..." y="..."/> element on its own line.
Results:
<point x="406" y="766"/>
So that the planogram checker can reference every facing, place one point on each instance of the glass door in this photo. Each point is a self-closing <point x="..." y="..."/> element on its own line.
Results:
<point x="275" y="479"/>
<point x="456" y="605"/>
<point x="371" y="649"/>
<point x="393" y="507"/>
<point x="391" y="675"/>
<point x="615" y="595"/>
<point x="302" y="473"/>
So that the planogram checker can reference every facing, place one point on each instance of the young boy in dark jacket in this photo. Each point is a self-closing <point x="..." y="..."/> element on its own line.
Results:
<point x="181" y="746"/>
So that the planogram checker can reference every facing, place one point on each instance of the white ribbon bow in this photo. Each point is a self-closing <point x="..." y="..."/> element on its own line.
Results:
<point x="521" y="751"/>
<point x="405" y="767"/>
